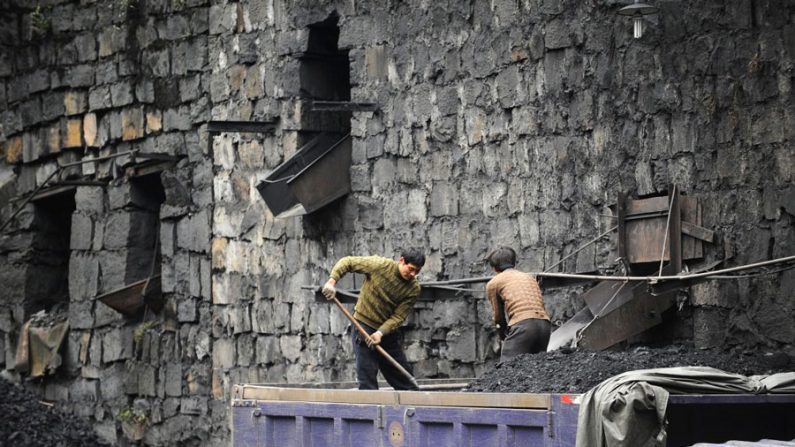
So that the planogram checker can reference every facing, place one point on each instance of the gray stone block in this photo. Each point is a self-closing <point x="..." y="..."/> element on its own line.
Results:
<point x="224" y="353"/>
<point x="105" y="315"/>
<point x="117" y="344"/>
<point x="558" y="34"/>
<point x="82" y="232"/>
<point x="38" y="81"/>
<point x="30" y="111"/>
<point x="291" y="346"/>
<point x="268" y="350"/>
<point x="82" y="390"/>
<point x="193" y="405"/>
<point x="81" y="315"/>
<point x="83" y="276"/>
<point x="709" y="327"/>
<point x="193" y="232"/>
<point x="177" y="119"/>
<point x="99" y="98"/>
<point x="245" y="350"/>
<point x="202" y="346"/>
<point x="319" y="322"/>
<point x="444" y="199"/>
<point x="56" y="392"/>
<point x="173" y="379"/>
<point x="86" y="46"/>
<point x="90" y="200"/>
<point x="117" y="230"/>
<point x="222" y="18"/>
<point x="239" y="318"/>
<point x="111" y="381"/>
<point x="156" y="62"/>
<point x="95" y="351"/>
<point x="121" y="94"/>
<point x="205" y="272"/>
<point x="79" y="76"/>
<point x="186" y="311"/>
<point x="52" y="106"/>
<point x="147" y="380"/>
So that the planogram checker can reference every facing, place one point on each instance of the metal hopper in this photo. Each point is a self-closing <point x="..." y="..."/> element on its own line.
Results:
<point x="315" y="176"/>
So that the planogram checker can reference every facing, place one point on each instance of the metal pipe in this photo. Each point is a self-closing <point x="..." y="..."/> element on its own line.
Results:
<point x="715" y="274"/>
<point x="656" y="279"/>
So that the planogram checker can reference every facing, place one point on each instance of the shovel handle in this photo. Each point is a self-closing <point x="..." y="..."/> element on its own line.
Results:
<point x="378" y="349"/>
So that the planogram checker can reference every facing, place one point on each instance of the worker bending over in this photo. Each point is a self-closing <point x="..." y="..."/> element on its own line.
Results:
<point x="517" y="294"/>
<point x="388" y="293"/>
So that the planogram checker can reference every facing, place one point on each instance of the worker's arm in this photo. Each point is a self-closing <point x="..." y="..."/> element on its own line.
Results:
<point x="399" y="315"/>
<point x="497" y="309"/>
<point x="358" y="264"/>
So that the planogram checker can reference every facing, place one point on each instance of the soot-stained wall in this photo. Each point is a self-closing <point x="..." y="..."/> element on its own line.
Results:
<point x="497" y="123"/>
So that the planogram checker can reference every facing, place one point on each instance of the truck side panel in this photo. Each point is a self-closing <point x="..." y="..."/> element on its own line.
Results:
<point x="299" y="424"/>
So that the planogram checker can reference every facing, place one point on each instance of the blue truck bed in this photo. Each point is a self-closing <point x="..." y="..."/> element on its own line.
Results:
<point x="268" y="416"/>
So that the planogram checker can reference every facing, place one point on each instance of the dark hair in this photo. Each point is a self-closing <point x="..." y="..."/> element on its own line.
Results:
<point x="502" y="258"/>
<point x="413" y="256"/>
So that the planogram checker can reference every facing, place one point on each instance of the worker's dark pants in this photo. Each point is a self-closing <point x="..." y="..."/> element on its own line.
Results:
<point x="526" y="337"/>
<point x="368" y="361"/>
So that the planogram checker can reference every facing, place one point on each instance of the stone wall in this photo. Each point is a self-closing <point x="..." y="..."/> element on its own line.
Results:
<point x="504" y="122"/>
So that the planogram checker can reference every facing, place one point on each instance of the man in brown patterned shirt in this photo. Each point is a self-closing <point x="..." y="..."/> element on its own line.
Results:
<point x="388" y="294"/>
<point x="517" y="294"/>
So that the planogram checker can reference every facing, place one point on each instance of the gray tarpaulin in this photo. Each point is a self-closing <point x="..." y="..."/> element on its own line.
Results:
<point x="628" y="410"/>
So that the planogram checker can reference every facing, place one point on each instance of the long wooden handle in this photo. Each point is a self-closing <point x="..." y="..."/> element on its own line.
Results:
<point x="378" y="349"/>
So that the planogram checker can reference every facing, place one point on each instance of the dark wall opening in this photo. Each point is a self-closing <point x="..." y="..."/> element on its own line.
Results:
<point x="325" y="76"/>
<point x="47" y="278"/>
<point x="143" y="255"/>
<point x="325" y="69"/>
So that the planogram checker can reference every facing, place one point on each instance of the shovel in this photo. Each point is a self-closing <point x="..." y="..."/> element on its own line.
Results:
<point x="378" y="349"/>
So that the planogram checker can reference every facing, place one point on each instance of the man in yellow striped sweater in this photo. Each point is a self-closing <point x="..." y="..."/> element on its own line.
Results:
<point x="388" y="294"/>
<point x="518" y="295"/>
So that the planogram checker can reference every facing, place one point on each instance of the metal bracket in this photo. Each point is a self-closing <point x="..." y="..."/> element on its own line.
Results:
<point x="215" y="127"/>
<point x="342" y="106"/>
<point x="379" y="417"/>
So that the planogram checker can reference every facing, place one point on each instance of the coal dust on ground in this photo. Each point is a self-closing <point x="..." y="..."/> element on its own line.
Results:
<point x="578" y="371"/>
<point x="27" y="421"/>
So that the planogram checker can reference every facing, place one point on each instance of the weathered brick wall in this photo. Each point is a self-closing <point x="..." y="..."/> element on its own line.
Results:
<point x="504" y="122"/>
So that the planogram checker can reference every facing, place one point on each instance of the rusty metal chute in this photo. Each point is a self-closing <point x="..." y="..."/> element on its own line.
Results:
<point x="315" y="176"/>
<point x="131" y="299"/>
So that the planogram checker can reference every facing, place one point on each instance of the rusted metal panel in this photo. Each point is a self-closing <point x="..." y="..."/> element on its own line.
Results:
<point x="607" y="296"/>
<point x="567" y="333"/>
<point x="324" y="179"/>
<point x="640" y="313"/>
<point x="316" y="175"/>
<point x="645" y="227"/>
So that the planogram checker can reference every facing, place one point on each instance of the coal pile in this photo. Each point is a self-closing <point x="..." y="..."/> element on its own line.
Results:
<point x="579" y="371"/>
<point x="25" y="421"/>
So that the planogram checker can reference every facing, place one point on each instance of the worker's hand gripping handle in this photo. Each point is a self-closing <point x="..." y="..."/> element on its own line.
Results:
<point x="328" y="289"/>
